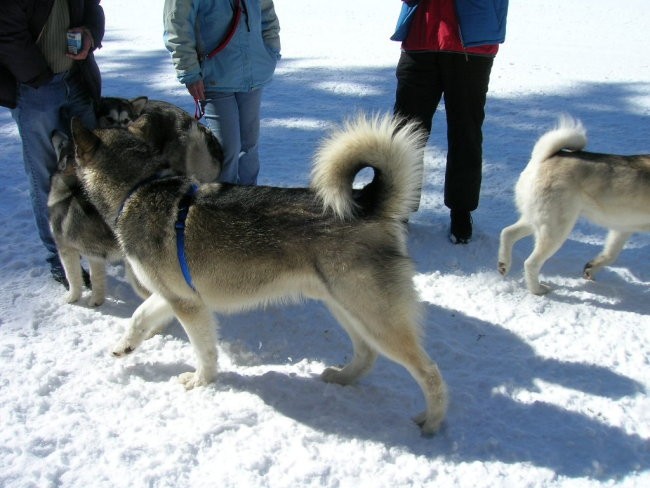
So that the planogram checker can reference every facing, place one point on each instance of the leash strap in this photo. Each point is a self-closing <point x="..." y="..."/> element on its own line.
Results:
<point x="183" y="208"/>
<point x="237" y="11"/>
<point x="231" y="31"/>
<point x="198" y="110"/>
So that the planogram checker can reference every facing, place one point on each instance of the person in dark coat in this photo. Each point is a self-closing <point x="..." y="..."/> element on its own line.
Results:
<point x="45" y="83"/>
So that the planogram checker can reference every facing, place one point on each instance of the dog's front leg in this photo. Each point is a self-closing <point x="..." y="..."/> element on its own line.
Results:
<point x="98" y="281"/>
<point x="152" y="314"/>
<point x="201" y="328"/>
<point x="72" y="267"/>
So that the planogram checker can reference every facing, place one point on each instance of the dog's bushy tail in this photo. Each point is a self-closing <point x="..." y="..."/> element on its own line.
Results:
<point x="391" y="146"/>
<point x="569" y="134"/>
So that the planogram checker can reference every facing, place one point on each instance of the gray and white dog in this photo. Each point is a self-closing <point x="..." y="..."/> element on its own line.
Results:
<point x="561" y="183"/>
<point x="241" y="247"/>
<point x="172" y="132"/>
<point x="79" y="230"/>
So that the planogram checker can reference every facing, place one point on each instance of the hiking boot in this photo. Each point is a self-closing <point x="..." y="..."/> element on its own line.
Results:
<point x="460" y="230"/>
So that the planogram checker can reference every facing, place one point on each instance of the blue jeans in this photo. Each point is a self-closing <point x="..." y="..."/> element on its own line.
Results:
<point x="234" y="118"/>
<point x="39" y="112"/>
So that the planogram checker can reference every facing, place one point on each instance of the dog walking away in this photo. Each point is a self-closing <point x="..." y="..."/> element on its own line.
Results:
<point x="561" y="183"/>
<point x="227" y="248"/>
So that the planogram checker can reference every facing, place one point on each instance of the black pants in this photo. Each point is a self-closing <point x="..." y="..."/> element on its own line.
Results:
<point x="422" y="79"/>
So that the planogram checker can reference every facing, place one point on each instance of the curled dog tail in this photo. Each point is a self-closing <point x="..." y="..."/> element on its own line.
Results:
<point x="392" y="147"/>
<point x="569" y="134"/>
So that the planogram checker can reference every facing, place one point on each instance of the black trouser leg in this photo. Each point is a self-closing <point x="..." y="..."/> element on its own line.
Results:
<point x="418" y="93"/>
<point x="466" y="80"/>
<point x="422" y="79"/>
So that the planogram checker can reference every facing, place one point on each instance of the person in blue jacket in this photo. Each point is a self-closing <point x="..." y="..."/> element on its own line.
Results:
<point x="448" y="47"/>
<point x="224" y="52"/>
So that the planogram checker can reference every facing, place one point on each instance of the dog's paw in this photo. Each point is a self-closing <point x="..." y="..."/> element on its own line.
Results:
<point x="502" y="268"/>
<point x="95" y="300"/>
<point x="73" y="296"/>
<point x="588" y="272"/>
<point x="336" y="375"/>
<point x="429" y="426"/>
<point x="539" y="289"/>
<point x="192" y="380"/>
<point x="122" y="348"/>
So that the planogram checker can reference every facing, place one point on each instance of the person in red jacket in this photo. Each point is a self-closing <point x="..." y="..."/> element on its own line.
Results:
<point x="442" y="57"/>
<point x="45" y="83"/>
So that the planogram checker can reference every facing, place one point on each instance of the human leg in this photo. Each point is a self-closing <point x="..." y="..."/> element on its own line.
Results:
<point x="466" y="81"/>
<point x="249" y="104"/>
<point x="37" y="115"/>
<point x="419" y="90"/>
<point x="222" y="118"/>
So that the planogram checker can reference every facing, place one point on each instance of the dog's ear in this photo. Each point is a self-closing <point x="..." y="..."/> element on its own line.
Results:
<point x="85" y="141"/>
<point x="138" y="104"/>
<point x="141" y="127"/>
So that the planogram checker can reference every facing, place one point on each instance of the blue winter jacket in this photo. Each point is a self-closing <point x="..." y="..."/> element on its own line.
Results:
<point x="193" y="28"/>
<point x="481" y="21"/>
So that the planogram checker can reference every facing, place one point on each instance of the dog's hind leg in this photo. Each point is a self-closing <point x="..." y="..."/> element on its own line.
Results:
<point x="98" y="281"/>
<point x="150" y="317"/>
<point x="509" y="236"/>
<point x="70" y="260"/>
<point x="201" y="328"/>
<point x="387" y="324"/>
<point x="613" y="246"/>
<point x="364" y="356"/>
<point x="548" y="239"/>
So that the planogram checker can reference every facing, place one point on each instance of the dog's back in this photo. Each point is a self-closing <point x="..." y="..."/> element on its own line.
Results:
<point x="561" y="183"/>
<point x="610" y="190"/>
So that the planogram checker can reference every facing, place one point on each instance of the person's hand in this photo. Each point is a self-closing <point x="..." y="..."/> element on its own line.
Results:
<point x="87" y="44"/>
<point x="197" y="90"/>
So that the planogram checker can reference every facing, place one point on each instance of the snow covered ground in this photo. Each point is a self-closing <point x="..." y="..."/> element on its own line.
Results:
<point x="545" y="391"/>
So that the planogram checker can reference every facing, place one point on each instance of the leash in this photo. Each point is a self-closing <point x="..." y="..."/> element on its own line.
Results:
<point x="183" y="208"/>
<point x="198" y="110"/>
<point x="231" y="30"/>
<point x="237" y="11"/>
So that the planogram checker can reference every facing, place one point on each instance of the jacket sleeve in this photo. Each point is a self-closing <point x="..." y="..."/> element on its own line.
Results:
<point x="179" y="17"/>
<point x="271" y="27"/>
<point x="94" y="21"/>
<point x="18" y="53"/>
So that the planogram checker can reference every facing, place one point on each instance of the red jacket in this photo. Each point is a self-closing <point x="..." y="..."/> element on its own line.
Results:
<point x="435" y="28"/>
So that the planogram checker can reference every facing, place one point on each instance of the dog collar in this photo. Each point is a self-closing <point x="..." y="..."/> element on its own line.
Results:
<point x="184" y="205"/>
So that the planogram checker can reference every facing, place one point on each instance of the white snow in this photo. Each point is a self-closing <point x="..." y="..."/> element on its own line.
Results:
<point x="545" y="391"/>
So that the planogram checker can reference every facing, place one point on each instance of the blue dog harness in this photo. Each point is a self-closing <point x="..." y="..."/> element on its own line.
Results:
<point x="184" y="205"/>
<point x="183" y="208"/>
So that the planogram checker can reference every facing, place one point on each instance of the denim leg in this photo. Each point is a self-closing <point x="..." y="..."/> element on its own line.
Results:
<point x="222" y="118"/>
<point x="249" y="126"/>
<point x="234" y="118"/>
<point x="37" y="116"/>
